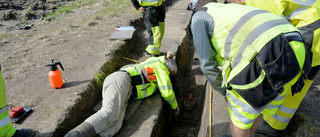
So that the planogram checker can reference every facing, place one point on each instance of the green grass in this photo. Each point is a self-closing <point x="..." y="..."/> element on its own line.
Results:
<point x="28" y="35"/>
<point x="113" y="8"/>
<point x="116" y="6"/>
<point x="98" y="78"/>
<point x="5" y="36"/>
<point x="67" y="8"/>
<point x="27" y="13"/>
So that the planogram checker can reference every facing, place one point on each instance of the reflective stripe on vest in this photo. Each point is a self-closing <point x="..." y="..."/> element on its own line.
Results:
<point x="138" y="68"/>
<point x="155" y="48"/>
<point x="233" y="54"/>
<point x="169" y="87"/>
<point x="5" y="121"/>
<point x="172" y="101"/>
<point x="2" y="110"/>
<point x="304" y="5"/>
<point x="253" y="36"/>
<point x="150" y="2"/>
<point x="236" y="28"/>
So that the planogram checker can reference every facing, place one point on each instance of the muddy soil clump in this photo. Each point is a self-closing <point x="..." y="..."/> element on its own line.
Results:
<point x="15" y="14"/>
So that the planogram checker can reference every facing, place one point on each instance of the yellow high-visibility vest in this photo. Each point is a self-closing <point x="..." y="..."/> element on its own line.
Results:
<point x="155" y="3"/>
<point x="151" y="75"/>
<point x="239" y="39"/>
<point x="6" y="129"/>
<point x="305" y="15"/>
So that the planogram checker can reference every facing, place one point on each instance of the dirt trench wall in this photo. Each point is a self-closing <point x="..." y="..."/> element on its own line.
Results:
<point x="92" y="94"/>
<point x="81" y="91"/>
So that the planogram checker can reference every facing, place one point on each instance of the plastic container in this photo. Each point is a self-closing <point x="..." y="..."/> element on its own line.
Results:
<point x="55" y="75"/>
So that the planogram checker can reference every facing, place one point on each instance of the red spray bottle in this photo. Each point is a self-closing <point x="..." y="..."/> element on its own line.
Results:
<point x="55" y="76"/>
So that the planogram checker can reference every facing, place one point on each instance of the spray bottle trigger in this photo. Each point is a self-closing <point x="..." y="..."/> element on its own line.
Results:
<point x="60" y="65"/>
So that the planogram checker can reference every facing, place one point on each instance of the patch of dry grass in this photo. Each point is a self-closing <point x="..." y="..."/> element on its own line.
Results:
<point x="27" y="13"/>
<point x="8" y="14"/>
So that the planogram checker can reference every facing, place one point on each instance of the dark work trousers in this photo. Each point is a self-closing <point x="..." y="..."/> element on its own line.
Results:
<point x="154" y="20"/>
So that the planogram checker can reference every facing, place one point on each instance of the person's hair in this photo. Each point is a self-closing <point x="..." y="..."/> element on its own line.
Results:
<point x="171" y="65"/>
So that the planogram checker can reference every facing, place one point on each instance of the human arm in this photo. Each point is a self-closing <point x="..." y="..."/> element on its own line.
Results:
<point x="165" y="85"/>
<point x="202" y="29"/>
<point x="136" y="4"/>
<point x="236" y="1"/>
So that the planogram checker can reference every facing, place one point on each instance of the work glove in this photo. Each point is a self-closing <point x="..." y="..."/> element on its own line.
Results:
<point x="176" y="112"/>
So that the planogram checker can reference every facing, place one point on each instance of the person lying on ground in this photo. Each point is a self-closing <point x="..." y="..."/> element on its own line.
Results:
<point x="138" y="81"/>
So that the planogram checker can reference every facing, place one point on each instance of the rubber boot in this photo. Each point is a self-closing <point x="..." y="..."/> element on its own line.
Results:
<point x="83" y="130"/>
<point x="266" y="129"/>
<point x="24" y="132"/>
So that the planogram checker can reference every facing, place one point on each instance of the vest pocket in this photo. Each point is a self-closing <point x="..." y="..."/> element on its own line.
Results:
<point x="279" y="62"/>
<point x="263" y="79"/>
<point x="252" y="85"/>
<point x="260" y="95"/>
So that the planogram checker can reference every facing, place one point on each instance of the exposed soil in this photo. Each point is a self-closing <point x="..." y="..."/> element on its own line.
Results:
<point x="15" y="14"/>
<point x="80" y="41"/>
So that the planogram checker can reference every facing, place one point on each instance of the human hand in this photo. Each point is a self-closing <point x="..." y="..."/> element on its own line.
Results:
<point x="170" y="54"/>
<point x="142" y="9"/>
<point x="176" y="112"/>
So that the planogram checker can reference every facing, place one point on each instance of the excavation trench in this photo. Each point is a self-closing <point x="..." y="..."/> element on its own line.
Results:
<point x="153" y="117"/>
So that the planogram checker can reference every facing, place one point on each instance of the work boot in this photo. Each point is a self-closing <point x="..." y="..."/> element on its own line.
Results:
<point x="85" y="129"/>
<point x="266" y="129"/>
<point x="24" y="132"/>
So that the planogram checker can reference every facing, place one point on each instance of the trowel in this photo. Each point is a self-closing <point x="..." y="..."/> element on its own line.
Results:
<point x="189" y="102"/>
